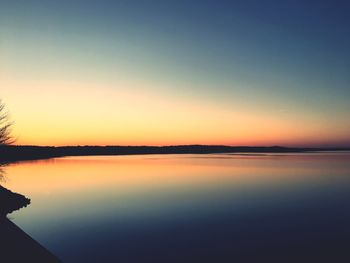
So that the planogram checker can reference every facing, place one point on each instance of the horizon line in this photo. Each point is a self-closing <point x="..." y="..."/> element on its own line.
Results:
<point x="345" y="147"/>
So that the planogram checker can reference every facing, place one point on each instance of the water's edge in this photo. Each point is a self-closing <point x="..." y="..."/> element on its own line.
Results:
<point x="16" y="245"/>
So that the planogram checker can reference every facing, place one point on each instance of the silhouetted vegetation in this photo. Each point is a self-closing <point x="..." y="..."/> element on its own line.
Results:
<point x="5" y="126"/>
<point x="18" y="153"/>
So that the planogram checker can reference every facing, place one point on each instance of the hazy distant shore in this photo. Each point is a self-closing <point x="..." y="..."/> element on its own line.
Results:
<point x="19" y="153"/>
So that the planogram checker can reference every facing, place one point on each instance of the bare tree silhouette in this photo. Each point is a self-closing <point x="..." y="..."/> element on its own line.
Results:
<point x="5" y="126"/>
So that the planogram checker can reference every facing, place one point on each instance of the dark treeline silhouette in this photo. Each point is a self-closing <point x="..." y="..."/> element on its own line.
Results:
<point x="9" y="153"/>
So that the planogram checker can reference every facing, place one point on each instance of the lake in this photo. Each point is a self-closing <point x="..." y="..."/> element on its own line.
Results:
<point x="187" y="208"/>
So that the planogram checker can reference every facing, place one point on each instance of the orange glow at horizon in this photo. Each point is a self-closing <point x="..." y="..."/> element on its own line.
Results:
<point x="61" y="113"/>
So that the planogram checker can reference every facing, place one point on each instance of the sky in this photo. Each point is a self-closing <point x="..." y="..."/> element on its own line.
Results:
<point x="176" y="72"/>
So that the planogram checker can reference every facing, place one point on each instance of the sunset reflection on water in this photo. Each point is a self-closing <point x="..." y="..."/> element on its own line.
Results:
<point x="73" y="196"/>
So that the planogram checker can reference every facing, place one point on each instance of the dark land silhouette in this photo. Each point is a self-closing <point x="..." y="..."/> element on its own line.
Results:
<point x="10" y="153"/>
<point x="16" y="245"/>
<point x="11" y="201"/>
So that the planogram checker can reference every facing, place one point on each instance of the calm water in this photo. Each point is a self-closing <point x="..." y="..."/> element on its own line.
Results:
<point x="187" y="208"/>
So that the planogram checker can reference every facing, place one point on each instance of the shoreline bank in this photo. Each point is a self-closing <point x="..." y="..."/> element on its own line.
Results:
<point x="16" y="245"/>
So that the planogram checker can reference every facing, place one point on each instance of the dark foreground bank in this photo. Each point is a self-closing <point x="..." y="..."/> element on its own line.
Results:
<point x="16" y="245"/>
<point x="20" y="153"/>
<point x="11" y="201"/>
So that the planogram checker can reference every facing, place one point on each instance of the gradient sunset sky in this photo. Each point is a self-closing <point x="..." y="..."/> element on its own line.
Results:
<point x="176" y="72"/>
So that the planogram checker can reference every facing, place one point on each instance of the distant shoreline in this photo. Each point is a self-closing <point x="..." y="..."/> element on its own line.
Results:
<point x="23" y="153"/>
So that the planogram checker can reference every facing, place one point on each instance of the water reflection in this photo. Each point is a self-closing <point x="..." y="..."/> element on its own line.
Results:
<point x="2" y="173"/>
<point x="9" y="201"/>
<point x="176" y="208"/>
